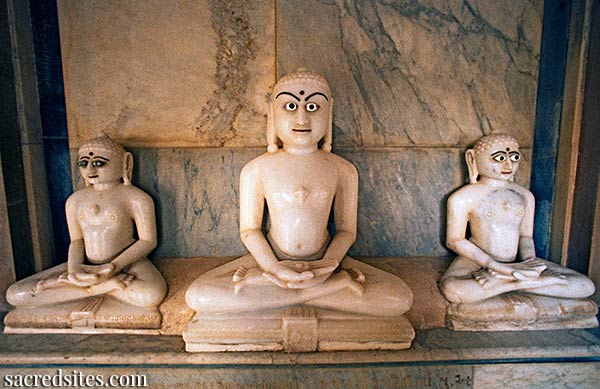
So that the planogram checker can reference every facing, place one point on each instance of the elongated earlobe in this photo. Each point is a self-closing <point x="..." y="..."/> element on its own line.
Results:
<point x="329" y="135"/>
<point x="471" y="165"/>
<point x="127" y="168"/>
<point x="271" y="135"/>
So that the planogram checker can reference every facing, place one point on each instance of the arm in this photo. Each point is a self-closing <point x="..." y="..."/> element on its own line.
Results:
<point x="142" y="211"/>
<point x="526" y="245"/>
<point x="76" y="254"/>
<point x="252" y="200"/>
<point x="345" y="210"/>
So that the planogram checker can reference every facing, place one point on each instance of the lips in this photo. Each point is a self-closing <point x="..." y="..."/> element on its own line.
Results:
<point x="93" y="176"/>
<point x="301" y="129"/>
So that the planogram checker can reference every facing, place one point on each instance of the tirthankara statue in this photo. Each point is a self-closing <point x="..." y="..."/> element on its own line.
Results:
<point x="487" y="287"/>
<point x="107" y="284"/>
<point x="297" y="289"/>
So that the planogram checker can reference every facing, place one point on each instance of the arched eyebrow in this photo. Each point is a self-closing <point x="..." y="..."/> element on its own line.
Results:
<point x="102" y="158"/>
<point x="287" y="93"/>
<point x="84" y="157"/>
<point x="314" y="94"/>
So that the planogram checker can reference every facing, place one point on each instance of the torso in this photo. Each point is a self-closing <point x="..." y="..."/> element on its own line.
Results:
<point x="495" y="220"/>
<point x="299" y="191"/>
<point x="106" y="222"/>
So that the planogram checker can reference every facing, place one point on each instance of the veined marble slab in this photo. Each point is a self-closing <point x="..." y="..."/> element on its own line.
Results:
<point x="401" y="205"/>
<point x="425" y="72"/>
<point x="155" y="73"/>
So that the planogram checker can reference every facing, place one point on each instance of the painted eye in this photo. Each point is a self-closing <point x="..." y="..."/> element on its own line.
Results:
<point x="312" y="107"/>
<point x="499" y="158"/>
<point x="98" y="163"/>
<point x="291" y="106"/>
<point x="515" y="157"/>
<point x="82" y="163"/>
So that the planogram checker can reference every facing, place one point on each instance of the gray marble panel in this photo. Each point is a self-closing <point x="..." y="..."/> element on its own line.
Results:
<point x="403" y="195"/>
<point x="402" y="198"/>
<point x="196" y="197"/>
<point x="424" y="72"/>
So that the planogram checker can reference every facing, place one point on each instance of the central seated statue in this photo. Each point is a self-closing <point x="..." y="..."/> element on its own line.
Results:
<point x="297" y="289"/>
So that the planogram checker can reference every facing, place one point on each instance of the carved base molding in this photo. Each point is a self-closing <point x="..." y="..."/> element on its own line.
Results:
<point x="297" y="329"/>
<point x="519" y="311"/>
<point x="103" y="314"/>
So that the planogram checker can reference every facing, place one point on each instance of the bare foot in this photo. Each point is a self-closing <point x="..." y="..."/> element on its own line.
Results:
<point x="119" y="282"/>
<point x="488" y="278"/>
<point x="244" y="276"/>
<point x="354" y="280"/>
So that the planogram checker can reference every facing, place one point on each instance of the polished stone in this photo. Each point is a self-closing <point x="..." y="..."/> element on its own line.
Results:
<point x="518" y="311"/>
<point x="196" y="197"/>
<point x="162" y="74"/>
<point x="428" y="311"/>
<point x="420" y="73"/>
<point x="433" y="346"/>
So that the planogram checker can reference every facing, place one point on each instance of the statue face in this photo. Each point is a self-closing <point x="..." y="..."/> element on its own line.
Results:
<point x="100" y="167"/>
<point x="499" y="161"/>
<point x="301" y="113"/>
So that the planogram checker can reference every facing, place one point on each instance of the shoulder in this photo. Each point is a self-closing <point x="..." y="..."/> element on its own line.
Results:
<point x="256" y="164"/>
<point x="76" y="197"/>
<point x="524" y="192"/>
<point x="135" y="194"/>
<point x="342" y="165"/>
<point x="465" y="195"/>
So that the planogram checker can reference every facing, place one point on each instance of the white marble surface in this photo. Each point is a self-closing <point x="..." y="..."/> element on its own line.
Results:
<point x="159" y="74"/>
<point x="429" y="72"/>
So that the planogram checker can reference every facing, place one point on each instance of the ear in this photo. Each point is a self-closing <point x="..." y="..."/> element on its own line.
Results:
<point x="329" y="135"/>
<point x="127" y="168"/>
<point x="271" y="135"/>
<point x="471" y="165"/>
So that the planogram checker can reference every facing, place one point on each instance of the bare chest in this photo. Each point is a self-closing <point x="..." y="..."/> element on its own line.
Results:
<point x="503" y="206"/>
<point x="102" y="212"/>
<point x="300" y="187"/>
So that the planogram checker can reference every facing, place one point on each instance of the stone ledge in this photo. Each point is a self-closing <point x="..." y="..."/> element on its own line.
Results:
<point x="430" y="346"/>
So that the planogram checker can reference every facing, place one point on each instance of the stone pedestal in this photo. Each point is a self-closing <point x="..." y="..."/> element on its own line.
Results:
<point x="296" y="329"/>
<point x="517" y="311"/>
<point x="99" y="314"/>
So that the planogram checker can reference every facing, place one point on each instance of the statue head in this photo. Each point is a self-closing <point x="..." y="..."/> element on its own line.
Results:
<point x="301" y="111"/>
<point x="494" y="156"/>
<point x="102" y="160"/>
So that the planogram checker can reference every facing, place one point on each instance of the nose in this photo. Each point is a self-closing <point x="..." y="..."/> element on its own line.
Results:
<point x="508" y="164"/>
<point x="301" y="117"/>
<point x="90" y="169"/>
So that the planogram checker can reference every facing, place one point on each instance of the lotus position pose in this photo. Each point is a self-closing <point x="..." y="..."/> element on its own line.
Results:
<point x="499" y="214"/>
<point x="112" y="228"/>
<point x="298" y="261"/>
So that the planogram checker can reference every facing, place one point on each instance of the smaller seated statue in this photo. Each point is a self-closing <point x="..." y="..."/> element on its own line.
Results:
<point x="112" y="228"/>
<point x="498" y="213"/>
<point x="298" y="272"/>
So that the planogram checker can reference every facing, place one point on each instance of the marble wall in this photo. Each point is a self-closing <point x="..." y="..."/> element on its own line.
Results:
<point x="185" y="86"/>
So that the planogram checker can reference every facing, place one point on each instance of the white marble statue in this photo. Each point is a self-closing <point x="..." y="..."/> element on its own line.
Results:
<point x="112" y="229"/>
<point x="498" y="254"/>
<point x="301" y="182"/>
